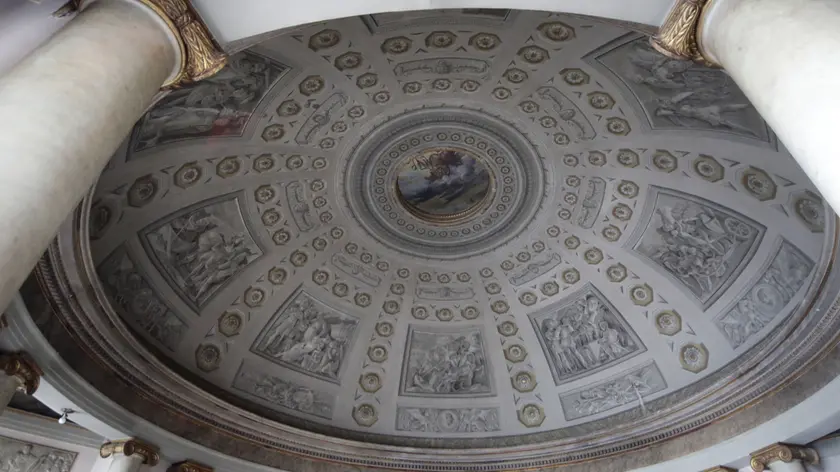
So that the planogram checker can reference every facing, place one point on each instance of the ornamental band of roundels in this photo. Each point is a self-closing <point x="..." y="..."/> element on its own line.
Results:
<point x="450" y="229"/>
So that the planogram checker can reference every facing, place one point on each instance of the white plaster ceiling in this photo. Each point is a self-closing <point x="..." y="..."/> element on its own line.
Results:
<point x="655" y="230"/>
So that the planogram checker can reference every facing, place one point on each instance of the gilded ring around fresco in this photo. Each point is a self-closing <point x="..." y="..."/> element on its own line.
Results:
<point x="446" y="183"/>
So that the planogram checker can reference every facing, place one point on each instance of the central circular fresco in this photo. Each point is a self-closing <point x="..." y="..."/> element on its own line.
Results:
<point x="444" y="185"/>
<point x="443" y="182"/>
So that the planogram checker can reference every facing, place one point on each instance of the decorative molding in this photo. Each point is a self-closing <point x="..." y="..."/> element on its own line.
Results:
<point x="677" y="37"/>
<point x="48" y="428"/>
<point x="20" y="365"/>
<point x="720" y="468"/>
<point x="782" y="452"/>
<point x="189" y="466"/>
<point x="130" y="447"/>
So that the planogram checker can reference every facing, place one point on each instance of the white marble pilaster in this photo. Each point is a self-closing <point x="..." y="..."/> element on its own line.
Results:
<point x="785" y="56"/>
<point x="64" y="111"/>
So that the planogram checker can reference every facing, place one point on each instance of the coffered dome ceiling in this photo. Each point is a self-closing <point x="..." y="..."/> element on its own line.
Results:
<point x="461" y="229"/>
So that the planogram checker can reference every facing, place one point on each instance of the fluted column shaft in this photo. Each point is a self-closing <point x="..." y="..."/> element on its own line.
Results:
<point x="64" y="111"/>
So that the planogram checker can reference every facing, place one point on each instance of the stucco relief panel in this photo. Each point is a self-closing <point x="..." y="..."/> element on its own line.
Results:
<point x="215" y="107"/>
<point x="202" y="247"/>
<point x="676" y="94"/>
<point x="701" y="245"/>
<point x="308" y="336"/>
<point x="583" y="334"/>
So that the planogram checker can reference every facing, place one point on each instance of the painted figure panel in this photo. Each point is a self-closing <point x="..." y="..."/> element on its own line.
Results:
<point x="283" y="393"/>
<point x="308" y="336"/>
<point x="628" y="387"/>
<point x="447" y="420"/>
<point x="786" y="273"/>
<point x="701" y="244"/>
<point x="217" y="106"/>
<point x="443" y="182"/>
<point x="19" y="456"/>
<point x="201" y="248"/>
<point x="584" y="334"/>
<point x="445" y="362"/>
<point x="682" y="94"/>
<point x="136" y="302"/>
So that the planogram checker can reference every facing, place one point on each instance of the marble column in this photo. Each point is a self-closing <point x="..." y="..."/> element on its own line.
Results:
<point x="130" y="455"/>
<point x="783" y="458"/>
<point x="785" y="56"/>
<point x="66" y="108"/>
<point x="20" y="374"/>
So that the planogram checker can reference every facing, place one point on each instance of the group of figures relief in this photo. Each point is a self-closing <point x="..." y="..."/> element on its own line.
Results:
<point x="217" y="106"/>
<point x="682" y="94"/>
<point x="16" y="456"/>
<point x="699" y="243"/>
<point x="445" y="363"/>
<point x="583" y="335"/>
<point x="308" y="336"/>
<point x="202" y="248"/>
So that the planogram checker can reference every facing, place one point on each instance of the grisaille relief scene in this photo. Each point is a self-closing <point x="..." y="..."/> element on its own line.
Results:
<point x="283" y="393"/>
<point x="448" y="420"/>
<point x="629" y="387"/>
<point x="702" y="245"/>
<point x="680" y="94"/>
<point x="780" y="280"/>
<point x="19" y="456"/>
<point x="198" y="250"/>
<point x="445" y="362"/>
<point x="432" y="230"/>
<point x="584" y="334"/>
<point x="308" y="336"/>
<point x="131" y="294"/>
<point x="217" y="106"/>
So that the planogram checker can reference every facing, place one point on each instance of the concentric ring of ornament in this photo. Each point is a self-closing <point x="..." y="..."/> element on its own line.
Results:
<point x="373" y="165"/>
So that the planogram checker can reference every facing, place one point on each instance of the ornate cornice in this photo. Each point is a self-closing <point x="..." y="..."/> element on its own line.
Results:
<point x="189" y="466"/>
<point x="782" y="452"/>
<point x="24" y="368"/>
<point x="130" y="447"/>
<point x="678" y="35"/>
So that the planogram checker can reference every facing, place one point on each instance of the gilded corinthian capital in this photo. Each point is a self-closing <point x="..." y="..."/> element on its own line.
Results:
<point x="131" y="447"/>
<point x="677" y="37"/>
<point x="201" y="56"/>
<point x="782" y="452"/>
<point x="22" y="367"/>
